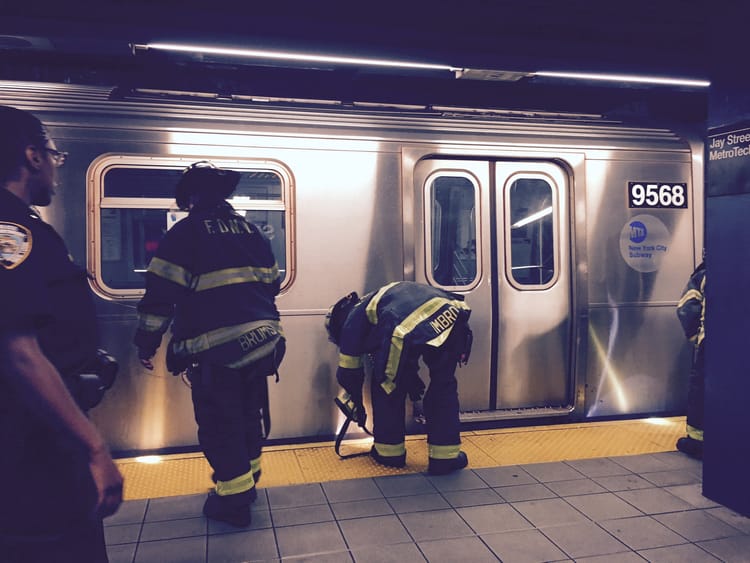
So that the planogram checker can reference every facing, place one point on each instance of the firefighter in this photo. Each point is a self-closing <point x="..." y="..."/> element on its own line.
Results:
<point x="397" y="324"/>
<point x="57" y="476"/>
<point x="691" y="310"/>
<point x="215" y="276"/>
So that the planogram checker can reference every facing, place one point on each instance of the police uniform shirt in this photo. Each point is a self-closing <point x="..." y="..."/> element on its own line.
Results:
<point x="41" y="289"/>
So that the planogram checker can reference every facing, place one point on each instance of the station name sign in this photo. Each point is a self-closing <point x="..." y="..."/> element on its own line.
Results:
<point x="728" y="160"/>
<point x="730" y="145"/>
<point x="657" y="195"/>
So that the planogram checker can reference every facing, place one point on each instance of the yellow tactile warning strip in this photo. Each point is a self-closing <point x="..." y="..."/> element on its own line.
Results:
<point x="312" y="463"/>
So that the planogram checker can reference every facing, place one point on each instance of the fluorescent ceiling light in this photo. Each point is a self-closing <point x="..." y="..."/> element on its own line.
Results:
<point x="626" y="78"/>
<point x="531" y="218"/>
<point x="478" y="74"/>
<point x="296" y="57"/>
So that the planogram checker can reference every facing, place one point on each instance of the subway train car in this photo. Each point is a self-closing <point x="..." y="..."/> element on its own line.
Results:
<point x="570" y="236"/>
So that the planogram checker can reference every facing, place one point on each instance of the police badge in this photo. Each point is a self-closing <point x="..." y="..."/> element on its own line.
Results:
<point x="15" y="244"/>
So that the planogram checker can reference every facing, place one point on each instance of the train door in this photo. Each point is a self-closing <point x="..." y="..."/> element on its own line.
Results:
<point x="498" y="233"/>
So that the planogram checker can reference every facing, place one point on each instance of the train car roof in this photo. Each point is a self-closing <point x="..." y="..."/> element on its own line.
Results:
<point x="97" y="106"/>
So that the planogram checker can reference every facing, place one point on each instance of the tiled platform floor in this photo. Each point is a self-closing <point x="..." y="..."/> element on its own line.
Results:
<point x="616" y="509"/>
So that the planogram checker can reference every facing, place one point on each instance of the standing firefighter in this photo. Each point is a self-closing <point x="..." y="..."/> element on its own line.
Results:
<point x="215" y="275"/>
<point x="398" y="324"/>
<point x="691" y="310"/>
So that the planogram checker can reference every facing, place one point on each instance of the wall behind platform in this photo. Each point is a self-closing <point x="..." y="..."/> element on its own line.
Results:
<point x="727" y="415"/>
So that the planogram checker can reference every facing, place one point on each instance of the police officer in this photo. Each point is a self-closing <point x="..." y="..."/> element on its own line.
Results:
<point x="691" y="310"/>
<point x="214" y="273"/>
<point x="398" y="324"/>
<point x="57" y="477"/>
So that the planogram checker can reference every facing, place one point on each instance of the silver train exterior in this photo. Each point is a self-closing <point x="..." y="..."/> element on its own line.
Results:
<point x="571" y="238"/>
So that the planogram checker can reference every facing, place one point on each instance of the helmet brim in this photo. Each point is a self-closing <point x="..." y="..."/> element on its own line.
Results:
<point x="205" y="181"/>
<point x="337" y="314"/>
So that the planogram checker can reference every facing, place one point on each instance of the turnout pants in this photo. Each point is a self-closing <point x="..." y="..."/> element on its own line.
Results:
<point x="229" y="408"/>
<point x="440" y="401"/>
<point x="696" y="395"/>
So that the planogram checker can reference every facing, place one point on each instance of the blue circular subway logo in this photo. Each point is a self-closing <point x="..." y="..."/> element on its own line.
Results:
<point x="638" y="231"/>
<point x="644" y="241"/>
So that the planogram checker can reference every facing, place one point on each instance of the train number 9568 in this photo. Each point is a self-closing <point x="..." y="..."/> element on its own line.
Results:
<point x="657" y="195"/>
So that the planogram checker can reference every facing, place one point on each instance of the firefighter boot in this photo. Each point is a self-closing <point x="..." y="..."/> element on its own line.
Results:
<point x="256" y="478"/>
<point x="232" y="509"/>
<point x="691" y="447"/>
<point x="388" y="460"/>
<point x="444" y="466"/>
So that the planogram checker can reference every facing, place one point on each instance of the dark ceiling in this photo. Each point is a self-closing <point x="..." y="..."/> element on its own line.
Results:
<point x="91" y="44"/>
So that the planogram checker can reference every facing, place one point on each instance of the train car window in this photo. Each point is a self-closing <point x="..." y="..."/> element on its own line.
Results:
<point x="160" y="182"/>
<point x="452" y="230"/>
<point x="259" y="184"/>
<point x="129" y="238"/>
<point x="530" y="204"/>
<point x="140" y="182"/>
<point x="134" y="207"/>
<point x="273" y="225"/>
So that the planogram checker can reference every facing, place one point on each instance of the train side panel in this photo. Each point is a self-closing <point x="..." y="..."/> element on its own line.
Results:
<point x="637" y="356"/>
<point x="595" y="334"/>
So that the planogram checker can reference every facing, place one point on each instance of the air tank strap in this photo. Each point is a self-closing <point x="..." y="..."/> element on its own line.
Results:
<point x="349" y="414"/>
<point x="265" y="410"/>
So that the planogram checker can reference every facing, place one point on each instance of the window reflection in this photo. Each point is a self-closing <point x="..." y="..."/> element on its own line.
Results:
<point x="532" y="256"/>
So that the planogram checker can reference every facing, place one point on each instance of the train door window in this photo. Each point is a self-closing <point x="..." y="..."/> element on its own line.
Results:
<point x="530" y="207"/>
<point x="134" y="206"/>
<point x="451" y="223"/>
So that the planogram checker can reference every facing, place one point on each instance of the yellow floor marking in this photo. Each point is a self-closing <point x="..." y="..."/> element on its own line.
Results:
<point x="311" y="463"/>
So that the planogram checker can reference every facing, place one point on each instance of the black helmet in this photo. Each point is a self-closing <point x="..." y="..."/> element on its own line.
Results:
<point x="336" y="316"/>
<point x="206" y="181"/>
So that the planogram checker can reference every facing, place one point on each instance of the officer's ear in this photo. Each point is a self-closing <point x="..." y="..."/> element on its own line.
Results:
<point x="33" y="157"/>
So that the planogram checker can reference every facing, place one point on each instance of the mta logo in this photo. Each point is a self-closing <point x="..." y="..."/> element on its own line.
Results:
<point x="638" y="232"/>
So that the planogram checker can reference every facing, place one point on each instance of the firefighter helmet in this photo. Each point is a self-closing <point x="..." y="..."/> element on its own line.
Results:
<point x="204" y="180"/>
<point x="336" y="316"/>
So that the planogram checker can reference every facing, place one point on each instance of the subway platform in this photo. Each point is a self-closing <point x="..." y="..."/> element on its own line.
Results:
<point x="614" y="491"/>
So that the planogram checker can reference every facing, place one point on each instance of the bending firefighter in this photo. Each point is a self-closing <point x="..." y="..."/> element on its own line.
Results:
<point x="215" y="275"/>
<point x="691" y="311"/>
<point x="398" y="324"/>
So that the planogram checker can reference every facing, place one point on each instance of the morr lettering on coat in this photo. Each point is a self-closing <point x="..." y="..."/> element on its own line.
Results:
<point x="444" y="320"/>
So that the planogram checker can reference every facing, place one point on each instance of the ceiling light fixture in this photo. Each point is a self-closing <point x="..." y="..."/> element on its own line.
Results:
<point x="294" y="57"/>
<point x="477" y="74"/>
<point x="626" y="78"/>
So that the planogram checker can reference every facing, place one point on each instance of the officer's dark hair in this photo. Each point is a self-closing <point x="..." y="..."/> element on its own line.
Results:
<point x="337" y="314"/>
<point x="206" y="183"/>
<point x="18" y="130"/>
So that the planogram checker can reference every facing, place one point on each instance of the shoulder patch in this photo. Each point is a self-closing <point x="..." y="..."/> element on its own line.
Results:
<point x="15" y="244"/>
